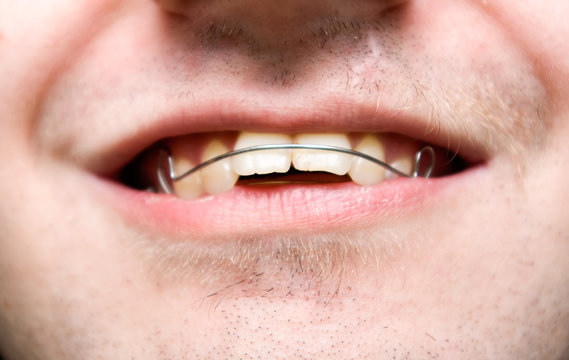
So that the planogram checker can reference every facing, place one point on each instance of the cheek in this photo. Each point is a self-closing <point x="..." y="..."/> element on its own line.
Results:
<point x="539" y="29"/>
<point x="498" y="261"/>
<point x="64" y="270"/>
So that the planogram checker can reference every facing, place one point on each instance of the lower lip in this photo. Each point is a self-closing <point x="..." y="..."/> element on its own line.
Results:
<point x="282" y="208"/>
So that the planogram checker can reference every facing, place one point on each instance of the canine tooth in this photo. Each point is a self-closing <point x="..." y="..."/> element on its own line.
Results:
<point x="403" y="164"/>
<point x="363" y="171"/>
<point x="263" y="162"/>
<point x="190" y="187"/>
<point x="218" y="177"/>
<point x="314" y="160"/>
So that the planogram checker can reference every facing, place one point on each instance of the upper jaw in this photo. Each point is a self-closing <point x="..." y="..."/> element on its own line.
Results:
<point x="312" y="116"/>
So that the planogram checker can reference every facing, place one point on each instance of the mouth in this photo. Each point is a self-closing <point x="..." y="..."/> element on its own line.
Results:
<point x="198" y="165"/>
<point x="279" y="190"/>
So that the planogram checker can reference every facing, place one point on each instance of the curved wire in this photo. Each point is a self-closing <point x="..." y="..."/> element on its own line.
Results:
<point x="165" y="186"/>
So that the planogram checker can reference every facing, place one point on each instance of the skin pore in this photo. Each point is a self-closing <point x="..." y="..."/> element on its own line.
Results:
<point x="473" y="266"/>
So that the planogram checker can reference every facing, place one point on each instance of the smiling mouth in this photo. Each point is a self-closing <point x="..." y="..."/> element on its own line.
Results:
<point x="198" y="165"/>
<point x="281" y="190"/>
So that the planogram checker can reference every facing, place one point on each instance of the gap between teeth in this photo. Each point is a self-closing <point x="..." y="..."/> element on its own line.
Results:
<point x="223" y="175"/>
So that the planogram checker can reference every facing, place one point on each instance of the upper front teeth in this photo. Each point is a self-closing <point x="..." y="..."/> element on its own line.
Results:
<point x="315" y="160"/>
<point x="265" y="162"/>
<point x="222" y="175"/>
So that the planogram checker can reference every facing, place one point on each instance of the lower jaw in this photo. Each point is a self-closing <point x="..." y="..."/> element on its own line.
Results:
<point x="296" y="208"/>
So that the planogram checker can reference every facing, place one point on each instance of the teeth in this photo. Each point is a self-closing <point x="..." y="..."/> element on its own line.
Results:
<point x="221" y="176"/>
<point x="403" y="164"/>
<point x="364" y="172"/>
<point x="266" y="161"/>
<point x="314" y="160"/>
<point x="190" y="187"/>
<point x="218" y="177"/>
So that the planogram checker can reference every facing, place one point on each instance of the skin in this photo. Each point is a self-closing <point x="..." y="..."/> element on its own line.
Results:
<point x="481" y="275"/>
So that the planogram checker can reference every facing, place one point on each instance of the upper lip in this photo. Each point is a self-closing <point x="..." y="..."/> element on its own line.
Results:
<point x="324" y="115"/>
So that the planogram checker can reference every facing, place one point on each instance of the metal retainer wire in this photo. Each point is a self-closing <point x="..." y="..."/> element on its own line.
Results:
<point x="164" y="180"/>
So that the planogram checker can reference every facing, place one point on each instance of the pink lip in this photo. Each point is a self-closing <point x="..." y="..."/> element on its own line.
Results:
<point x="284" y="208"/>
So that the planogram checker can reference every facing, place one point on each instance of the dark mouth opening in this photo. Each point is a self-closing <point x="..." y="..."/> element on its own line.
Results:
<point x="293" y="176"/>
